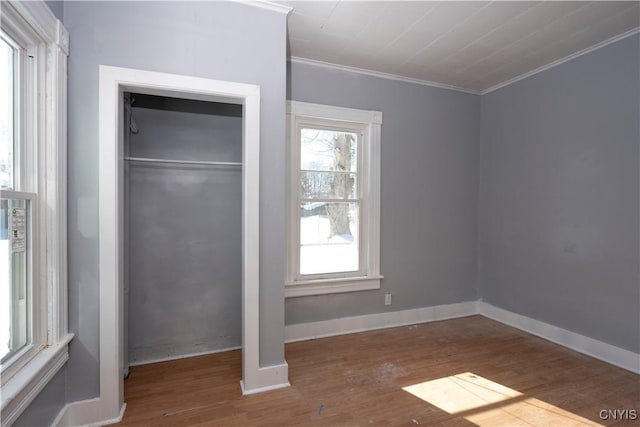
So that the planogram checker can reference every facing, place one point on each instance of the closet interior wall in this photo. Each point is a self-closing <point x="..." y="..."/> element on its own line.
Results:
<point x="183" y="230"/>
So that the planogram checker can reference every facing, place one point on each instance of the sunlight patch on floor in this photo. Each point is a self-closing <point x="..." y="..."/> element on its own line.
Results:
<point x="529" y="412"/>
<point x="491" y="404"/>
<point x="461" y="392"/>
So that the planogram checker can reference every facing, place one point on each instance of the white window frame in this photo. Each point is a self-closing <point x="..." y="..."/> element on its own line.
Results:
<point x="43" y="148"/>
<point x="368" y="125"/>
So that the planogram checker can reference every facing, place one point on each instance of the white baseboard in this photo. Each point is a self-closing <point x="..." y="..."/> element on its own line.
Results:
<point x="267" y="378"/>
<point x="368" y="322"/>
<point x="246" y="392"/>
<point x="57" y="421"/>
<point x="606" y="352"/>
<point x="83" y="414"/>
<point x="182" y="356"/>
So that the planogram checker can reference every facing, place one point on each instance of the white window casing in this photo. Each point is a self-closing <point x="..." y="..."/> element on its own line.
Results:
<point x="43" y="172"/>
<point x="367" y="124"/>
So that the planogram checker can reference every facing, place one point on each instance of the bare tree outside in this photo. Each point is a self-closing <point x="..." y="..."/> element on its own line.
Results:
<point x="329" y="207"/>
<point x="342" y="183"/>
<point x="340" y="147"/>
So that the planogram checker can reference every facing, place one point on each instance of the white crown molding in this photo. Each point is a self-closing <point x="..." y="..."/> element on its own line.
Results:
<point x="267" y="5"/>
<point x="562" y="60"/>
<point x="307" y="61"/>
<point x="388" y="76"/>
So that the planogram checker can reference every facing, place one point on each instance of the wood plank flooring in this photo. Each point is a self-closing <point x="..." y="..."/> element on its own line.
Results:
<point x="461" y="372"/>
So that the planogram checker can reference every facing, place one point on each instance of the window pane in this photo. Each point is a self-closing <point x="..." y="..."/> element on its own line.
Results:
<point x="328" y="185"/>
<point x="6" y="115"/>
<point x="329" y="238"/>
<point x="14" y="292"/>
<point x="328" y="150"/>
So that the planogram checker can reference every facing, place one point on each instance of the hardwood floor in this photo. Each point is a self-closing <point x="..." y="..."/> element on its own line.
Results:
<point x="460" y="372"/>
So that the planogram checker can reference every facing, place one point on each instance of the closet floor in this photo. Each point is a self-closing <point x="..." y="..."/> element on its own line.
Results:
<point x="460" y="372"/>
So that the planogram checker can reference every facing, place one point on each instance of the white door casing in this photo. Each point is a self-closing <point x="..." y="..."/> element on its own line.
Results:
<point x="114" y="81"/>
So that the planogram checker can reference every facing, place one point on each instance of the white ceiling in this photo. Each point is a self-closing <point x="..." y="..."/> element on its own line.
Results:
<point x="472" y="45"/>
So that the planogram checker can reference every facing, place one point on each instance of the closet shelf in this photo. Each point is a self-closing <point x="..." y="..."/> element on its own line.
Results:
<point x="182" y="162"/>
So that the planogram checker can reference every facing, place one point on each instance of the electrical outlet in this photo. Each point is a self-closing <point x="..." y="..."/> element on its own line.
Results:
<point x="387" y="299"/>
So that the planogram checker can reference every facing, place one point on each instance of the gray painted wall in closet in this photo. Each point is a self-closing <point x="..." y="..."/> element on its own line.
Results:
<point x="184" y="229"/>
<point x="219" y="40"/>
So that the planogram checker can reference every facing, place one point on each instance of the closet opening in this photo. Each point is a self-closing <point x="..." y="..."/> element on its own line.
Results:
<point x="114" y="82"/>
<point x="182" y="284"/>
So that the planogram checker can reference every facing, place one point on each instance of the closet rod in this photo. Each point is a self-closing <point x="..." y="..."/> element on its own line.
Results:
<point x="182" y="162"/>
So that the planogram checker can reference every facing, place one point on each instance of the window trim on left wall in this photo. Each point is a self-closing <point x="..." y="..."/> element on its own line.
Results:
<point x="49" y="43"/>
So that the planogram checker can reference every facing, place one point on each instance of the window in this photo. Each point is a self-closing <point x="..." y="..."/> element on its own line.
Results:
<point x="33" y="329"/>
<point x="17" y="255"/>
<point x="333" y="199"/>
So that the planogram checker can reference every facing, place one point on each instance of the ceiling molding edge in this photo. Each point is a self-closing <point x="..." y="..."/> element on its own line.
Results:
<point x="267" y="5"/>
<point x="299" y="60"/>
<point x="562" y="60"/>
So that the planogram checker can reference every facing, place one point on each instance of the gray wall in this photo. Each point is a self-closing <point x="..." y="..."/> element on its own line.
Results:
<point x="184" y="230"/>
<point x="46" y="406"/>
<point x="57" y="7"/>
<point x="559" y="198"/>
<point x="220" y="40"/>
<point x="428" y="197"/>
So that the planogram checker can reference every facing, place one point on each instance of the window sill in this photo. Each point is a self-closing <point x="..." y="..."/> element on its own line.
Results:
<point x="331" y="286"/>
<point x="24" y="386"/>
